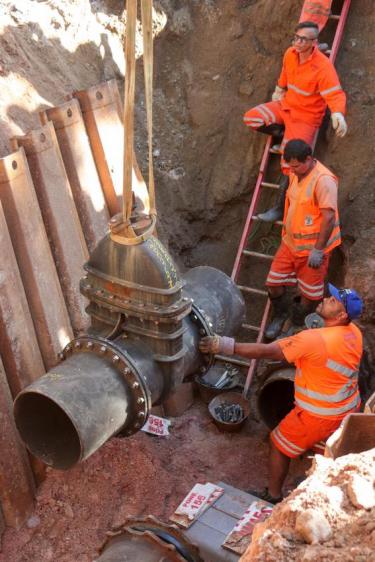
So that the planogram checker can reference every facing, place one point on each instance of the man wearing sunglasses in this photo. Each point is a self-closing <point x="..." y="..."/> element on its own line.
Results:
<point x="326" y="381"/>
<point x="308" y="83"/>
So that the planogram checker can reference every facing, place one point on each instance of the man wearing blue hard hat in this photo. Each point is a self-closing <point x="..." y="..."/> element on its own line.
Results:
<point x="327" y="357"/>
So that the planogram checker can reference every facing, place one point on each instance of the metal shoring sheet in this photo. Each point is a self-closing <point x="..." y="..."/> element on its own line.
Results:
<point x="18" y="343"/>
<point x="103" y="113"/>
<point x="17" y="486"/>
<point x="60" y="216"/>
<point x="34" y="257"/>
<point x="80" y="168"/>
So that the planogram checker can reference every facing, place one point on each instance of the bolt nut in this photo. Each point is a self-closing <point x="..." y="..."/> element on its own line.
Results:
<point x="203" y="369"/>
<point x="61" y="355"/>
<point x="102" y="349"/>
<point x="137" y="425"/>
<point x="202" y="332"/>
<point x="115" y="359"/>
<point x="68" y="347"/>
<point x="195" y="318"/>
<point x="89" y="345"/>
<point x="141" y="414"/>
<point x="135" y="384"/>
<point x="140" y="401"/>
<point x="77" y="344"/>
<point x="126" y="371"/>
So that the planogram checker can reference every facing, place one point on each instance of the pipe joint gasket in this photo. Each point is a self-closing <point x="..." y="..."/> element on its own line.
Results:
<point x="141" y="401"/>
<point x="205" y="328"/>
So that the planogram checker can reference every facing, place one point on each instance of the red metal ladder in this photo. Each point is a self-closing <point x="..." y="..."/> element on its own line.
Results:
<point x="243" y="251"/>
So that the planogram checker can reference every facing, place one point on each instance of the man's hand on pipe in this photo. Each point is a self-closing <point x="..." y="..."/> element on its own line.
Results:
<point x="217" y="344"/>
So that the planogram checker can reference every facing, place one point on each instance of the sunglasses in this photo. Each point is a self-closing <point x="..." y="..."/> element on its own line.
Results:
<point x="344" y="297"/>
<point x="302" y="39"/>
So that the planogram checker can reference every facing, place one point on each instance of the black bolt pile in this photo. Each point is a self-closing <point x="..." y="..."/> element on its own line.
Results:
<point x="227" y="412"/>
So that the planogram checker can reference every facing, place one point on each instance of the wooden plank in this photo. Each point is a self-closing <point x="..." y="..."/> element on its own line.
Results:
<point x="17" y="487"/>
<point x="60" y="216"/>
<point x="80" y="168"/>
<point x="34" y="257"/>
<point x="18" y="342"/>
<point x="103" y="115"/>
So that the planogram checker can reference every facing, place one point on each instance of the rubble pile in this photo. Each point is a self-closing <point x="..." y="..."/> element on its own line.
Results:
<point x="329" y="517"/>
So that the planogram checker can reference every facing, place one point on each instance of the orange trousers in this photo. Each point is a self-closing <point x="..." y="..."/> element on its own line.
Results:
<point x="317" y="11"/>
<point x="272" y="113"/>
<point x="299" y="431"/>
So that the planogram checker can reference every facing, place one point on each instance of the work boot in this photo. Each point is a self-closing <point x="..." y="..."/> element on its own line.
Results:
<point x="297" y="319"/>
<point x="276" y="213"/>
<point x="280" y="314"/>
<point x="274" y="129"/>
<point x="265" y="496"/>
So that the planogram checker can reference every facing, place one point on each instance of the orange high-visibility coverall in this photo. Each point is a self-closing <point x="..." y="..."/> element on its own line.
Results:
<point x="326" y="385"/>
<point x="317" y="11"/>
<point x="310" y="87"/>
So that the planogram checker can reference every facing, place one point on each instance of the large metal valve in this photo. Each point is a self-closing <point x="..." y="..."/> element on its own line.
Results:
<point x="146" y="322"/>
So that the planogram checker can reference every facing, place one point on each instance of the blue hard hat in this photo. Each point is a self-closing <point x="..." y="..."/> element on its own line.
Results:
<point x="349" y="298"/>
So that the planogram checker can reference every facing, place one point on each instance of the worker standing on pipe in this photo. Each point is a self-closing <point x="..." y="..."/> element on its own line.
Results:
<point x="311" y="231"/>
<point x="326" y="382"/>
<point x="307" y="84"/>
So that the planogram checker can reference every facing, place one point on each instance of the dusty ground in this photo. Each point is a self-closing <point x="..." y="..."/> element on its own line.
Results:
<point x="138" y="476"/>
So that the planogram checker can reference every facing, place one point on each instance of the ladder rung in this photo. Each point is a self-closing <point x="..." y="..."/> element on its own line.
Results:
<point x="251" y="327"/>
<point x="252" y="290"/>
<point x="268" y="184"/>
<point x="257" y="255"/>
<point x="334" y="17"/>
<point x="255" y="218"/>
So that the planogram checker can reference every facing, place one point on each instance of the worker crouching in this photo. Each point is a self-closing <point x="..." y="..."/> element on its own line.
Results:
<point x="308" y="83"/>
<point x="310" y="232"/>
<point x="326" y="382"/>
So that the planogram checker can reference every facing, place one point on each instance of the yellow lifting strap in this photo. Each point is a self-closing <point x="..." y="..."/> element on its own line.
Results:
<point x="124" y="233"/>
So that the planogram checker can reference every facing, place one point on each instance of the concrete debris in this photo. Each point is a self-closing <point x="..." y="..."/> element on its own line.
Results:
<point x="361" y="492"/>
<point x="313" y="526"/>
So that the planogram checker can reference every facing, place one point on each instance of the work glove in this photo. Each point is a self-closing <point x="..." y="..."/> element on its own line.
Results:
<point x="339" y="124"/>
<point x="217" y="344"/>
<point x="278" y="94"/>
<point x="315" y="258"/>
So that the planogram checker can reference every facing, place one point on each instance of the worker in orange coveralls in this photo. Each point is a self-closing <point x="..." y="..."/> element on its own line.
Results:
<point x="326" y="381"/>
<point x="307" y="84"/>
<point x="311" y="230"/>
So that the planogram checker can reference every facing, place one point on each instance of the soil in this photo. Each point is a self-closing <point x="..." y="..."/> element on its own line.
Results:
<point x="137" y="476"/>
<point x="348" y="531"/>
<point x="213" y="60"/>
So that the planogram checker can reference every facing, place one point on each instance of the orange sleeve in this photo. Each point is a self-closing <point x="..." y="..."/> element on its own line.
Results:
<point x="283" y="80"/>
<point x="307" y="343"/>
<point x="330" y="89"/>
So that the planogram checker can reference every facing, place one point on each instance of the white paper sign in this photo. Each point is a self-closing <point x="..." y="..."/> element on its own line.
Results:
<point x="196" y="502"/>
<point x="157" y="426"/>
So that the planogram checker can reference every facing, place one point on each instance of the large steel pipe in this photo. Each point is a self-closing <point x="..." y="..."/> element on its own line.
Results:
<point x="276" y="396"/>
<point x="146" y="325"/>
<point x="97" y="391"/>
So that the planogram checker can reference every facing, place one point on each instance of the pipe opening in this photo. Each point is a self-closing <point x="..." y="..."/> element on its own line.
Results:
<point x="47" y="430"/>
<point x="276" y="399"/>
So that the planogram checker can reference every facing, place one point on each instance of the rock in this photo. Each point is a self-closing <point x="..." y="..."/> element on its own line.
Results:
<point x="361" y="492"/>
<point x="33" y="522"/>
<point x="313" y="526"/>
<point x="246" y="88"/>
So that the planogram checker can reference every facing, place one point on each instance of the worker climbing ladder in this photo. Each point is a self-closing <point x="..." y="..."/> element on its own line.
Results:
<point x="320" y="12"/>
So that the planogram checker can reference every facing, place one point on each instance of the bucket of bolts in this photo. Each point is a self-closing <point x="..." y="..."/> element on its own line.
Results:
<point x="229" y="411"/>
